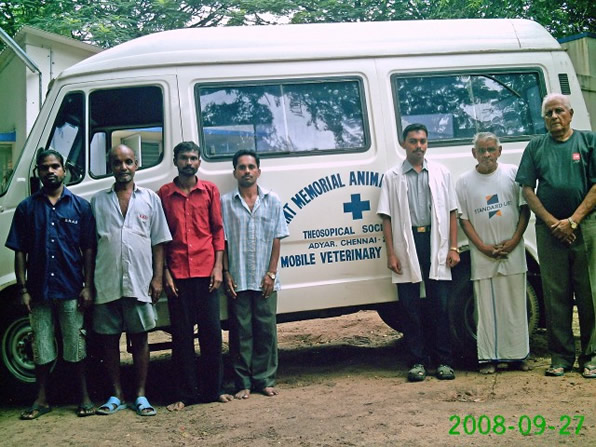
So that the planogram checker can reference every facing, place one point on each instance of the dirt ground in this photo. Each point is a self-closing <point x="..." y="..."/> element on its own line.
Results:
<point x="342" y="382"/>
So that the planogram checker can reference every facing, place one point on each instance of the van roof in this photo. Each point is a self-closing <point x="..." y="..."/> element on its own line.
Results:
<point x="221" y="45"/>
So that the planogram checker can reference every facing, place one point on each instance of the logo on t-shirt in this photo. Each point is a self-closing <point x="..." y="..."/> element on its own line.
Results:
<point x="493" y="206"/>
<point x="493" y="200"/>
<point x="575" y="156"/>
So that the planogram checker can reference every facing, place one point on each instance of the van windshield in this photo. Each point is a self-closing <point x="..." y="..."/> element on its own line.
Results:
<point x="457" y="106"/>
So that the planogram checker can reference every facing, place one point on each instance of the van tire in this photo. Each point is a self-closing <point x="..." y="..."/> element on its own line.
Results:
<point x="463" y="321"/>
<point x="17" y="370"/>
<point x="389" y="313"/>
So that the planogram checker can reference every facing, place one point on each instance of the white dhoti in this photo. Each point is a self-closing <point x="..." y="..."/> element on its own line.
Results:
<point x="502" y="318"/>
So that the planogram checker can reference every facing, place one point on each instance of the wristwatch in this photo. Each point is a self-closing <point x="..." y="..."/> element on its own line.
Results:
<point x="271" y="275"/>
<point x="572" y="223"/>
<point x="455" y="249"/>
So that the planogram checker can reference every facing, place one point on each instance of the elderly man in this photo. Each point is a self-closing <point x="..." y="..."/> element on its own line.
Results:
<point x="494" y="219"/>
<point x="131" y="232"/>
<point x="418" y="207"/>
<point x="564" y="163"/>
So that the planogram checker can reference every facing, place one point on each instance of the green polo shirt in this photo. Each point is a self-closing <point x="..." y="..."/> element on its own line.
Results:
<point x="565" y="171"/>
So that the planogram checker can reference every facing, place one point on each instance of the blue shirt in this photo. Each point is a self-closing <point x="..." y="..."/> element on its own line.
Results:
<point x="250" y="236"/>
<point x="53" y="238"/>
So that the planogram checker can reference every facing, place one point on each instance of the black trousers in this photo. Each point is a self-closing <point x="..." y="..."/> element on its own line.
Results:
<point x="196" y="305"/>
<point x="425" y="321"/>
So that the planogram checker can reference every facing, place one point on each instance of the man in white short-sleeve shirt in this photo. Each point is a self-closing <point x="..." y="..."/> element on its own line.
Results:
<point x="131" y="232"/>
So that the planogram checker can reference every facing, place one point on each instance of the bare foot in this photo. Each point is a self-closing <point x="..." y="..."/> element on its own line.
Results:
<point x="176" y="406"/>
<point x="223" y="398"/>
<point x="269" y="391"/>
<point x="242" y="394"/>
<point x="487" y="368"/>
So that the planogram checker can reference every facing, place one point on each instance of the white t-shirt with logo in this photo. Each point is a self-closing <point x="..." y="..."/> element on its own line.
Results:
<point x="491" y="203"/>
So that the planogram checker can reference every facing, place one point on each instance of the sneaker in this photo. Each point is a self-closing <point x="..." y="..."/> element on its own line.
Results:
<point x="445" y="372"/>
<point x="417" y="373"/>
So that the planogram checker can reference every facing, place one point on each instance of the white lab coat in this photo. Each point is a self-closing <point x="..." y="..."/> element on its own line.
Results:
<point x="393" y="202"/>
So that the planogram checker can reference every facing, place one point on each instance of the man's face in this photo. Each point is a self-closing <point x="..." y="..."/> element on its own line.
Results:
<point x="487" y="152"/>
<point x="187" y="163"/>
<point x="246" y="171"/>
<point x="51" y="172"/>
<point x="557" y="117"/>
<point x="124" y="165"/>
<point x="415" y="145"/>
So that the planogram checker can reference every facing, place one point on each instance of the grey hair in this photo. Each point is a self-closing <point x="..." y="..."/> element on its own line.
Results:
<point x="481" y="136"/>
<point x="563" y="98"/>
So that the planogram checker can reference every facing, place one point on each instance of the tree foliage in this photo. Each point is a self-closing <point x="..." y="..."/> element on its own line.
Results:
<point x="560" y="18"/>
<point x="109" y="22"/>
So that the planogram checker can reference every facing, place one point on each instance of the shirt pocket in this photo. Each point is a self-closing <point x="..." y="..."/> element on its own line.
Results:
<point x="199" y="210"/>
<point x="69" y="227"/>
<point x="140" y="224"/>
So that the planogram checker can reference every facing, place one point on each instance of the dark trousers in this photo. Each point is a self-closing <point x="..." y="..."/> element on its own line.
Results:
<point x="253" y="339"/>
<point x="426" y="321"/>
<point x="567" y="270"/>
<point x="196" y="305"/>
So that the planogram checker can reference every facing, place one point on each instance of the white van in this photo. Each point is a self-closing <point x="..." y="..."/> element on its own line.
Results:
<point x="324" y="106"/>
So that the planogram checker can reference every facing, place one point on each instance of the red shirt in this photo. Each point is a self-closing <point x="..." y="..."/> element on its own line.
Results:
<point x="196" y="226"/>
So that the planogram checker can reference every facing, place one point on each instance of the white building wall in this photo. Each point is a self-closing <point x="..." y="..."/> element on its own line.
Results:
<point x="19" y="86"/>
<point x="12" y="92"/>
<point x="582" y="53"/>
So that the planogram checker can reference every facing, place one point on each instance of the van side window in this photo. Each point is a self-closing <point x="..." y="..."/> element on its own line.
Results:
<point x="456" y="106"/>
<point x="282" y="117"/>
<point x="132" y="116"/>
<point x="68" y="136"/>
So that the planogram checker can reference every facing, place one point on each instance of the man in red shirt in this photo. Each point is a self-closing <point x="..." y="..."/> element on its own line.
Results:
<point x="192" y="274"/>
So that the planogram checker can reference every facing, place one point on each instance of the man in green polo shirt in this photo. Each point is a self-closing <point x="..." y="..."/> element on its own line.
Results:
<point x="564" y="163"/>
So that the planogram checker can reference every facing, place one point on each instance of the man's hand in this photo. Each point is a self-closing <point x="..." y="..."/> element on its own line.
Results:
<point x="393" y="264"/>
<point x="86" y="298"/>
<point x="562" y="230"/>
<point x="230" y="285"/>
<point x="26" y="300"/>
<point x="155" y="289"/>
<point x="267" y="285"/>
<point x="506" y="247"/>
<point x="216" y="279"/>
<point x="169" y="283"/>
<point x="452" y="258"/>
<point x="492" y="251"/>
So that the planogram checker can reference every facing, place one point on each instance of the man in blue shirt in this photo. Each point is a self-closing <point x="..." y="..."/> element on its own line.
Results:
<point x="53" y="236"/>
<point x="254" y="224"/>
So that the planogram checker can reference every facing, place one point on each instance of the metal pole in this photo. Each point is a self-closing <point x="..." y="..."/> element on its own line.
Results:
<point x="23" y="56"/>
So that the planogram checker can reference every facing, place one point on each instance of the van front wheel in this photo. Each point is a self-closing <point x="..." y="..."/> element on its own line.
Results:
<point x="17" y="369"/>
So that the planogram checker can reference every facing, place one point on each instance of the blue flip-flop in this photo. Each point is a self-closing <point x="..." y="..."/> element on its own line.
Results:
<point x="142" y="404"/>
<point x="111" y="406"/>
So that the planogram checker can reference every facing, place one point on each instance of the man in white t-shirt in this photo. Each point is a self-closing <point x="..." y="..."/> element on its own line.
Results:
<point x="494" y="217"/>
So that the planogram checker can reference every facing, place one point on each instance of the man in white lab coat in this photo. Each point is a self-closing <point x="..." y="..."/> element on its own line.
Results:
<point x="418" y="206"/>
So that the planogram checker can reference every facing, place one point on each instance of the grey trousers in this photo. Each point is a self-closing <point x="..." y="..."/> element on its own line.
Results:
<point x="253" y="339"/>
